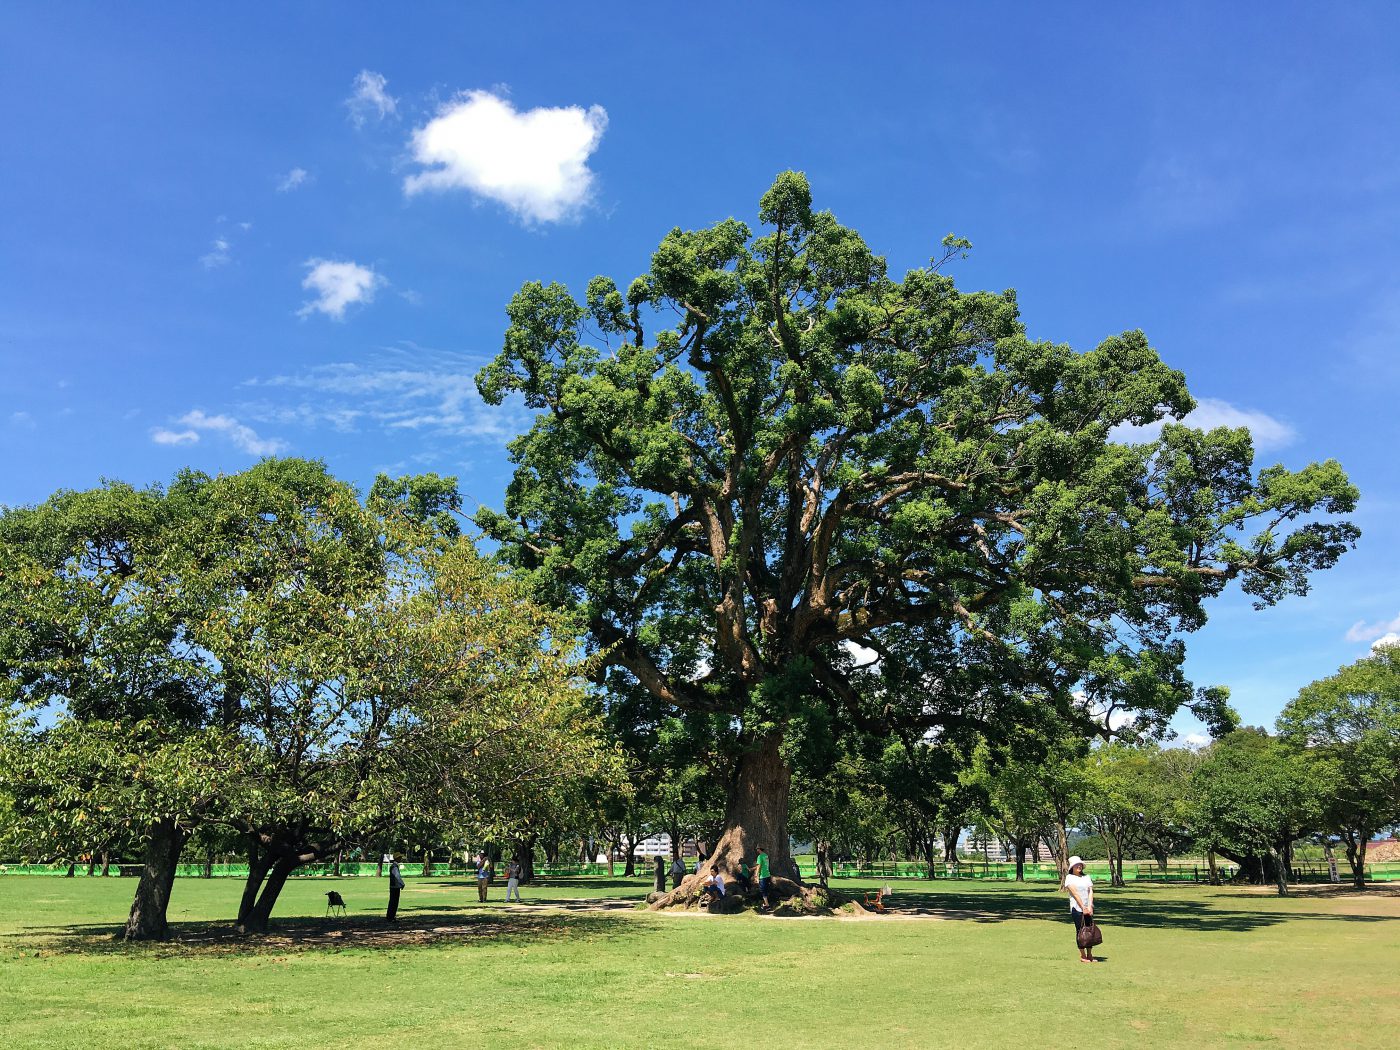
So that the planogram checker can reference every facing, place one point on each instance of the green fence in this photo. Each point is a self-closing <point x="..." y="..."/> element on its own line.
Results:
<point x="1308" y="872"/>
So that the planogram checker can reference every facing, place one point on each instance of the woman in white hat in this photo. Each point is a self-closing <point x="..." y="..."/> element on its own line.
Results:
<point x="1081" y="902"/>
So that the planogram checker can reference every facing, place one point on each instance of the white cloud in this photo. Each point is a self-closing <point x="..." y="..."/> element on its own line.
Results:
<point x="162" y="436"/>
<point x="1385" y="641"/>
<point x="862" y="655"/>
<point x="22" y="419"/>
<point x="1212" y="412"/>
<point x="1195" y="741"/>
<point x="534" y="162"/>
<point x="1361" y="631"/>
<point x="338" y="285"/>
<point x="197" y="422"/>
<point x="370" y="99"/>
<point x="218" y="254"/>
<point x="294" y="178"/>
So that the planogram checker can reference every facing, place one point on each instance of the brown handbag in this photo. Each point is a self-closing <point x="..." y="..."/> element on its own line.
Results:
<point x="1089" y="935"/>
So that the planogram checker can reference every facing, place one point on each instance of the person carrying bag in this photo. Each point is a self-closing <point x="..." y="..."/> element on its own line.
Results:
<point x="1081" y="910"/>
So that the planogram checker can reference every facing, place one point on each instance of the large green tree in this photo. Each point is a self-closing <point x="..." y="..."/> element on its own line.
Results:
<point x="766" y="447"/>
<point x="93" y="632"/>
<point x="266" y="653"/>
<point x="1350" y="722"/>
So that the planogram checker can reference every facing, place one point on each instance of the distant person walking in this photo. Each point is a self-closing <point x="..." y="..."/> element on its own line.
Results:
<point x="764" y="875"/>
<point x="513" y="880"/>
<point x="483" y="876"/>
<point x="396" y="885"/>
<point x="1081" y="902"/>
<point x="677" y="872"/>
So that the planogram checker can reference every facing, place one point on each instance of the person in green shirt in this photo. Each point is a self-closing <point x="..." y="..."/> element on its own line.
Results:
<point x="764" y="875"/>
<point x="745" y="876"/>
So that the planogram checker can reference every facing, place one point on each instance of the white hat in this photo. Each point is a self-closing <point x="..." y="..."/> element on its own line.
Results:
<point x="1072" y="862"/>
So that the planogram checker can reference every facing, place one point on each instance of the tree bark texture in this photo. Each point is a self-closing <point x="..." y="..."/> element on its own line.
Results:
<point x="147" y="918"/>
<point x="260" y="914"/>
<point x="756" y="815"/>
<point x="1356" y="857"/>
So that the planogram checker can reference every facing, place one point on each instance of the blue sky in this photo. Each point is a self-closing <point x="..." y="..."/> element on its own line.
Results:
<point x="229" y="233"/>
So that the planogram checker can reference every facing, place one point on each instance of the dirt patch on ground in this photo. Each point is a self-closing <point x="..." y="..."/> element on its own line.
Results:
<point x="1374" y="890"/>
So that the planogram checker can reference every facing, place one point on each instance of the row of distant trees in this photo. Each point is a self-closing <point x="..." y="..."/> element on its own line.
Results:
<point x="266" y="663"/>
<point x="1330" y="773"/>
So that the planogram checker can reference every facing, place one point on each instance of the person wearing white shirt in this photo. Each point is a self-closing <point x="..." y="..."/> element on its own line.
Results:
<point x="1081" y="902"/>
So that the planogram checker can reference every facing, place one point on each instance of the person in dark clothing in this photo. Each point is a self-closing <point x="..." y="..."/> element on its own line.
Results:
<point x="395" y="888"/>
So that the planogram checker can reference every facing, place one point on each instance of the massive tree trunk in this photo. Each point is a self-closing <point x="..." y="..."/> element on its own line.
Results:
<point x="755" y="815"/>
<point x="147" y="921"/>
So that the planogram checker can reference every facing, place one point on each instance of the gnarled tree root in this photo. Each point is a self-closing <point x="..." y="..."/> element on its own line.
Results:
<point x="787" y="897"/>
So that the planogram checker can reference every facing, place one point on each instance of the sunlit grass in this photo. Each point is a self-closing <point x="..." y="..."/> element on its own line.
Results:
<point x="982" y="965"/>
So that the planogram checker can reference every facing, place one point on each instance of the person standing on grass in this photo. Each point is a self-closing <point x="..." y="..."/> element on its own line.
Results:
<point x="396" y="885"/>
<point x="483" y="876"/>
<point x="1081" y="902"/>
<point x="677" y="872"/>
<point x="764" y="875"/>
<point x="513" y="881"/>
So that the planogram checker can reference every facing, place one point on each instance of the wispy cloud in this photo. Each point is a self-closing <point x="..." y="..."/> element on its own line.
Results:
<point x="370" y="98"/>
<point x="294" y="178"/>
<point x="22" y="420"/>
<point x="534" y="162"/>
<point x="1180" y="192"/>
<point x="1382" y="632"/>
<point x="1211" y="412"/>
<point x="406" y="391"/>
<point x="217" y="255"/>
<point x="197" y="422"/>
<point x="162" y="436"/>
<point x="338" y="286"/>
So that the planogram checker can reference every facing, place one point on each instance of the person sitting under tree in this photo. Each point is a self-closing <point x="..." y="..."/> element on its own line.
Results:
<point x="714" y="886"/>
<point x="744" y="880"/>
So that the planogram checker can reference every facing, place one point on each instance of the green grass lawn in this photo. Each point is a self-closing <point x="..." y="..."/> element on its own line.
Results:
<point x="959" y="964"/>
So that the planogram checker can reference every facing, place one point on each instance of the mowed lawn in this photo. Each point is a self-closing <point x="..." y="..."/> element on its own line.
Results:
<point x="958" y="964"/>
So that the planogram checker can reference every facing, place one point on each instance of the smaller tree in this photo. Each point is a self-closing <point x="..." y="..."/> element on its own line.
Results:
<point x="1350" y="723"/>
<point x="1016" y="807"/>
<point x="1252" y="797"/>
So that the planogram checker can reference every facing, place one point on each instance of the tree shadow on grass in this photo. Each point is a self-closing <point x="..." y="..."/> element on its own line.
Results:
<point x="1122" y="908"/>
<point x="413" y="929"/>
